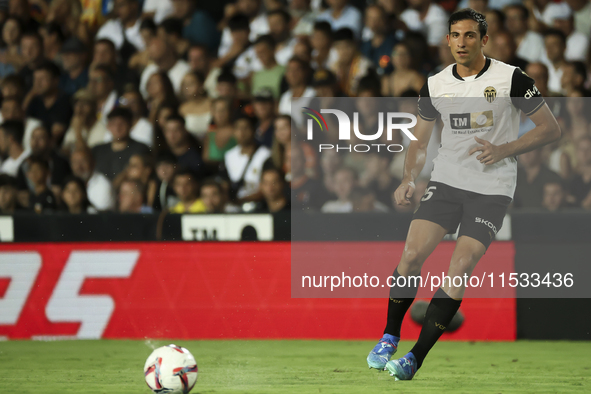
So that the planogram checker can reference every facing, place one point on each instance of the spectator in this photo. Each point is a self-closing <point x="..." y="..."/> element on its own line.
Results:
<point x="198" y="26"/>
<point x="405" y="75"/>
<point x="124" y="29"/>
<point x="240" y="56"/>
<point x="105" y="54"/>
<point x="555" y="44"/>
<point x="141" y="59"/>
<point x="341" y="15"/>
<point x="580" y="185"/>
<point x="8" y="195"/>
<point x="74" y="198"/>
<point x="183" y="146"/>
<point x="245" y="161"/>
<point x="12" y="110"/>
<point x="427" y="18"/>
<point x="112" y="157"/>
<point x="53" y="39"/>
<point x="171" y="31"/>
<point x="345" y="180"/>
<point x="574" y="76"/>
<point x="10" y="55"/>
<point x="165" y="197"/>
<point x="199" y="58"/>
<point x="75" y="76"/>
<point x="302" y="16"/>
<point x="32" y="53"/>
<point x="532" y="175"/>
<point x="186" y="187"/>
<point x="67" y="14"/>
<point x="41" y="200"/>
<point x="11" y="147"/>
<point x="165" y="60"/>
<point x="323" y="54"/>
<point x="577" y="43"/>
<point x="165" y="110"/>
<point x="22" y="9"/>
<point x="273" y="191"/>
<point x="351" y="66"/>
<point x="131" y="198"/>
<point x="196" y="107"/>
<point x="98" y="186"/>
<point x="530" y="44"/>
<point x="554" y="198"/>
<point x="306" y="192"/>
<point x="85" y="129"/>
<point x="101" y="86"/>
<point x="212" y="196"/>
<point x="364" y="200"/>
<point x="279" y="29"/>
<point x="542" y="12"/>
<point x="297" y="75"/>
<point x="378" y="47"/>
<point x="330" y="162"/>
<point x="48" y="104"/>
<point x="582" y="15"/>
<point x="504" y="49"/>
<point x="221" y="139"/>
<point x="325" y="84"/>
<point x="140" y="168"/>
<point x="258" y="23"/>
<point x="264" y="110"/>
<point x="59" y="168"/>
<point x="141" y="129"/>
<point x="539" y="73"/>
<point x="377" y="178"/>
<point x="272" y="73"/>
<point x="157" y="10"/>
<point x="160" y="92"/>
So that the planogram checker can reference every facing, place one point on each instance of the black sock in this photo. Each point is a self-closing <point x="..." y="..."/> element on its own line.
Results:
<point x="439" y="313"/>
<point x="401" y="299"/>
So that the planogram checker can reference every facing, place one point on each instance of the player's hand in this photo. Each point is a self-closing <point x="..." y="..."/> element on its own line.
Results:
<point x="404" y="192"/>
<point x="491" y="154"/>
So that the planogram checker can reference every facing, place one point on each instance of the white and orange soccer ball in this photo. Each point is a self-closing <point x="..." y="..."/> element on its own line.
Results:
<point x="171" y="369"/>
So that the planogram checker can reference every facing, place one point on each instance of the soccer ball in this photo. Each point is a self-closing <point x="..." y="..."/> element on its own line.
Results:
<point x="171" y="369"/>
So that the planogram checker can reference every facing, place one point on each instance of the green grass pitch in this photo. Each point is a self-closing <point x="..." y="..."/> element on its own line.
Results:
<point x="276" y="367"/>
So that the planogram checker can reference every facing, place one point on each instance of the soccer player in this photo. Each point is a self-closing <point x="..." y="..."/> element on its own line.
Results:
<point x="473" y="179"/>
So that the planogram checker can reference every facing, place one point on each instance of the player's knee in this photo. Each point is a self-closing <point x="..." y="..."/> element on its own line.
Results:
<point x="412" y="260"/>
<point x="466" y="263"/>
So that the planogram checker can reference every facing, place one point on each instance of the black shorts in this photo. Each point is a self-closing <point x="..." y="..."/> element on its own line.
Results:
<point x="480" y="216"/>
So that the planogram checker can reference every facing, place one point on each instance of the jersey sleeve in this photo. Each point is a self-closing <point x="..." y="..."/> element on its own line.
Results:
<point x="524" y="93"/>
<point x="426" y="109"/>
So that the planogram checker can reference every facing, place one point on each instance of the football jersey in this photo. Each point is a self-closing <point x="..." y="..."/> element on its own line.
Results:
<point x="486" y="106"/>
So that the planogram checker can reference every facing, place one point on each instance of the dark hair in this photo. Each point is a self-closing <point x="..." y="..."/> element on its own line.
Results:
<point x="324" y="27"/>
<point x="212" y="182"/>
<point x="580" y="69"/>
<point x="82" y="186"/>
<point x="169" y="94"/>
<point x="468" y="13"/>
<point x="370" y="82"/>
<point x="33" y="34"/>
<point x="199" y="75"/>
<point x="185" y="172"/>
<point x="121" y="112"/>
<point x="251" y="121"/>
<point x="201" y="47"/>
<point x="55" y="28"/>
<point x="520" y="7"/>
<point x="303" y="64"/>
<point x="7" y="180"/>
<point x="148" y="24"/>
<point x="501" y="15"/>
<point x="276" y="170"/>
<point x="281" y="12"/>
<point x="172" y="26"/>
<point x="15" y="129"/>
<point x="107" y="42"/>
<point x="38" y="160"/>
<point x="239" y="22"/>
<point x="50" y="67"/>
<point x="284" y="117"/>
<point x="176" y="118"/>
<point x="228" y="77"/>
<point x="138" y="185"/>
<point x="344" y="34"/>
<point x="555" y="32"/>
<point x="131" y="88"/>
<point x="105" y="70"/>
<point x="266" y="39"/>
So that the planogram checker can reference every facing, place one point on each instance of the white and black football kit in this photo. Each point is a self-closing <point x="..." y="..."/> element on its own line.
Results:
<point x="463" y="191"/>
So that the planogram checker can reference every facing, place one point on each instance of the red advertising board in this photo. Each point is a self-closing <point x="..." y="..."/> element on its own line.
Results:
<point x="192" y="290"/>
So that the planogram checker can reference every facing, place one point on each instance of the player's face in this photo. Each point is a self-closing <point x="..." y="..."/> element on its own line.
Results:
<point x="465" y="42"/>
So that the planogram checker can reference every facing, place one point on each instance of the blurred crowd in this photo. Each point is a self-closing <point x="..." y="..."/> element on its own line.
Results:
<point x="184" y="106"/>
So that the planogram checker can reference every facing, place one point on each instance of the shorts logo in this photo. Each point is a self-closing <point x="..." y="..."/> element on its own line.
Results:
<point x="487" y="224"/>
<point x="490" y="94"/>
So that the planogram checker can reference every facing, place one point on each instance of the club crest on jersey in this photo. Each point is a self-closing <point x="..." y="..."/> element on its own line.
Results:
<point x="490" y="94"/>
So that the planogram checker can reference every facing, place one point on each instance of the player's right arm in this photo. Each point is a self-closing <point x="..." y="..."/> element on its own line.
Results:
<point x="416" y="153"/>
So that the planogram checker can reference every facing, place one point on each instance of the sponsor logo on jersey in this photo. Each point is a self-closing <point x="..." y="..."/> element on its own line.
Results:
<point x="474" y="122"/>
<point x="529" y="93"/>
<point x="487" y="224"/>
<point x="490" y="94"/>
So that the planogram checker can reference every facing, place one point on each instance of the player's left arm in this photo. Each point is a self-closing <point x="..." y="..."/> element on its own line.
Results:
<point x="526" y="97"/>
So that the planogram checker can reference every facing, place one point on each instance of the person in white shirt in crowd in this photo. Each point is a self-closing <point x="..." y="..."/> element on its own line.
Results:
<point x="102" y="87"/>
<point x="345" y="180"/>
<point x="577" y="43"/>
<point x="279" y="29"/>
<point x="125" y="27"/>
<point x="196" y="105"/>
<point x="544" y="11"/>
<point x="582" y="14"/>
<point x="555" y="44"/>
<point x="323" y="53"/>
<point x="165" y="59"/>
<point x="530" y="44"/>
<point x="98" y="186"/>
<point x="258" y="22"/>
<point x="303" y="17"/>
<point x="342" y="15"/>
<point x="11" y="147"/>
<point x="241" y="56"/>
<point x="428" y="18"/>
<point x="199" y="59"/>
<point x="158" y="10"/>
<point x="85" y="129"/>
<point x="141" y="129"/>
<point x="12" y="110"/>
<point x="351" y="65"/>
<point x="244" y="162"/>
<point x="297" y="75"/>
